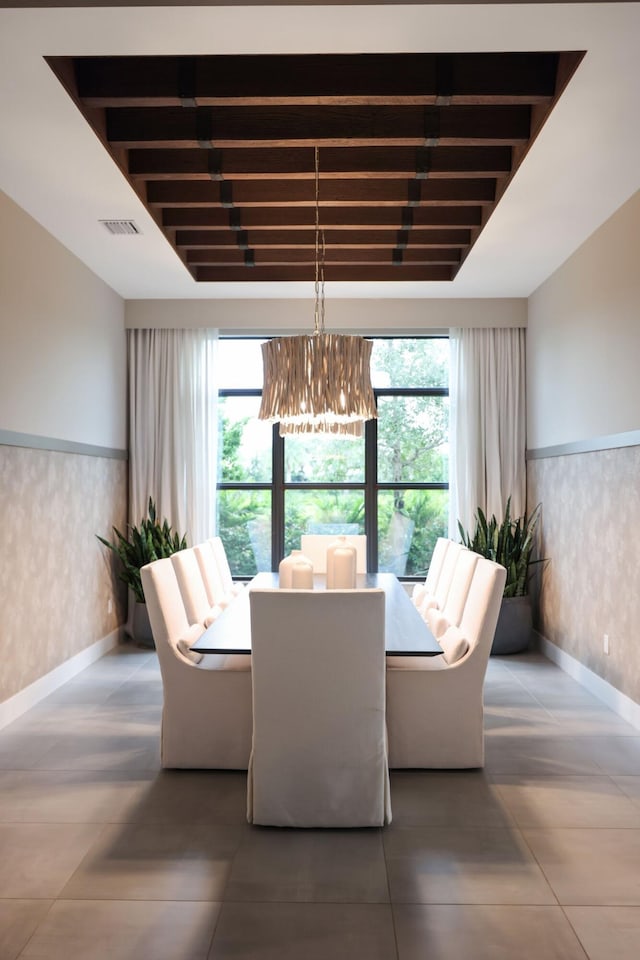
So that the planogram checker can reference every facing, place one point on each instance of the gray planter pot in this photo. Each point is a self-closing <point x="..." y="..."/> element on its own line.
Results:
<point x="513" y="631"/>
<point x="140" y="626"/>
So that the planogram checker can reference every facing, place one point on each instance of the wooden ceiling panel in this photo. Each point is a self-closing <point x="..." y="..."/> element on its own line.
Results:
<point x="415" y="151"/>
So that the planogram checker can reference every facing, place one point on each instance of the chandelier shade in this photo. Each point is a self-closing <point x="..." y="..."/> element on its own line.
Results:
<point x="318" y="383"/>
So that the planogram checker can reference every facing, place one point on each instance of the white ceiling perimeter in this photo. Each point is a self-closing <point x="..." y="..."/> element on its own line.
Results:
<point x="583" y="166"/>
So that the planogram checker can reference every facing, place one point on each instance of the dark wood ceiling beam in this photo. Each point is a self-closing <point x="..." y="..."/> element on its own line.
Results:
<point x="338" y="218"/>
<point x="333" y="272"/>
<point x="316" y="79"/>
<point x="295" y="255"/>
<point x="340" y="239"/>
<point x="296" y="126"/>
<point x="297" y="163"/>
<point x="277" y="193"/>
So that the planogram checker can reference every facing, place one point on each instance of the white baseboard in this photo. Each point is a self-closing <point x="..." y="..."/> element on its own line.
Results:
<point x="619" y="702"/>
<point x="15" y="706"/>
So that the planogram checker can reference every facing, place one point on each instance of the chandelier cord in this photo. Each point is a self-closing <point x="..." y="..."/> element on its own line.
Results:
<point x="320" y="252"/>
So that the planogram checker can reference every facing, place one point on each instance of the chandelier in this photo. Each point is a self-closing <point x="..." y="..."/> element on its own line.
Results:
<point x="320" y="382"/>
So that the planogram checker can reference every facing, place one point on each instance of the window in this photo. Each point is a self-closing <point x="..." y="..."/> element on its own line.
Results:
<point x="392" y="484"/>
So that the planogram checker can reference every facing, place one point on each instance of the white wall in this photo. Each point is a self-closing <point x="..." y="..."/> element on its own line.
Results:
<point x="62" y="378"/>
<point x="583" y="345"/>
<point x="362" y="316"/>
<point x="583" y="339"/>
<point x="63" y="345"/>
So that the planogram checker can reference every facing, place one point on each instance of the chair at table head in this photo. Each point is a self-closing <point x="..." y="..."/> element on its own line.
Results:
<point x="319" y="754"/>
<point x="315" y="545"/>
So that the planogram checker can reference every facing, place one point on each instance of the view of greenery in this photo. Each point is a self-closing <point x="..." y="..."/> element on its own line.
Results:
<point x="412" y="449"/>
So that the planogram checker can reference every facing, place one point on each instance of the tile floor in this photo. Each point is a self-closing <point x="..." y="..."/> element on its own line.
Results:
<point x="102" y="855"/>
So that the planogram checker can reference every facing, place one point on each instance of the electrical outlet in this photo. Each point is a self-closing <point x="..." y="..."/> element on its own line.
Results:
<point x="605" y="643"/>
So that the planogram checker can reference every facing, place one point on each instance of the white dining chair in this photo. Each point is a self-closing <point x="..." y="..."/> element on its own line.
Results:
<point x="192" y="588"/>
<point x="230" y="587"/>
<point x="452" y="611"/>
<point x="421" y="590"/>
<point x="206" y="712"/>
<point x="211" y="576"/>
<point x="319" y="755"/>
<point x="435" y="704"/>
<point x="438" y="598"/>
<point x="315" y="545"/>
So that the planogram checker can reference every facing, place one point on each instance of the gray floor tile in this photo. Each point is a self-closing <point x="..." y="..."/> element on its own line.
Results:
<point x="527" y="721"/>
<point x="211" y="797"/>
<point x="124" y="930"/>
<point x="22" y="751"/>
<point x="540" y="756"/>
<point x="446" y="798"/>
<point x="342" y="866"/>
<point x="630" y="786"/>
<point x="599" y="866"/>
<point x="156" y="862"/>
<point x="18" y="920"/>
<point x="52" y="796"/>
<point x="617" y="755"/>
<point x="37" y="859"/>
<point x="452" y="932"/>
<point x="304" y="931"/>
<point x="567" y="802"/>
<point x="462" y="865"/>
<point x="607" y="933"/>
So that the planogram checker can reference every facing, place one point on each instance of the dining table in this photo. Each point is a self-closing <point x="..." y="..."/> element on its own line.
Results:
<point x="406" y="633"/>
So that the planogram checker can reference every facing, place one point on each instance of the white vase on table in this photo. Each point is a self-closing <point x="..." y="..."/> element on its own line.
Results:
<point x="342" y="565"/>
<point x="285" y="570"/>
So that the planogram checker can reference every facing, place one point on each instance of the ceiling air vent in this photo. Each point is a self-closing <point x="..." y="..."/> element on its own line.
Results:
<point x="121" y="227"/>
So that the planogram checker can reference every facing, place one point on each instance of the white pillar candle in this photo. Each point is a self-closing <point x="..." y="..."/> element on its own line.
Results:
<point x="302" y="575"/>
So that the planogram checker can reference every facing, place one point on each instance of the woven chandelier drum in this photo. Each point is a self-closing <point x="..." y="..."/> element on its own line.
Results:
<point x="320" y="382"/>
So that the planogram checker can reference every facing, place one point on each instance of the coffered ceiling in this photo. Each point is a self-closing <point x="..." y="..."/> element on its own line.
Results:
<point x="414" y="152"/>
<point x="449" y="165"/>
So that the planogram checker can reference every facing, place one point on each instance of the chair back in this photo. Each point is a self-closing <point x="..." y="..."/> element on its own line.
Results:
<point x="482" y="608"/>
<point x="167" y="615"/>
<point x="222" y="562"/>
<point x="194" y="593"/>
<point x="460" y="584"/>
<point x="319" y="739"/>
<point x="441" y="591"/>
<point x="315" y="545"/>
<point x="210" y="573"/>
<point x="437" y="559"/>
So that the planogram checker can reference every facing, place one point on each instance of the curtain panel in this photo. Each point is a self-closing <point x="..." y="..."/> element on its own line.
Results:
<point x="487" y="424"/>
<point x="173" y="428"/>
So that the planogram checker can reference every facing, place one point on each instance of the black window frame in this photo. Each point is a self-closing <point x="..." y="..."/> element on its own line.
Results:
<point x="370" y="486"/>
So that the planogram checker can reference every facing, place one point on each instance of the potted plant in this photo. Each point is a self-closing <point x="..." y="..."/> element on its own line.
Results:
<point x="148" y="541"/>
<point x="510" y="543"/>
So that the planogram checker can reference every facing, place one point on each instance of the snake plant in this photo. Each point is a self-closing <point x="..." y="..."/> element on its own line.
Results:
<point x="149" y="541"/>
<point x="509" y="543"/>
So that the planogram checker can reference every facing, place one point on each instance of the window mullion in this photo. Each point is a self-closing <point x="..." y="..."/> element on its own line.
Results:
<point x="277" y="498"/>
<point x="370" y="493"/>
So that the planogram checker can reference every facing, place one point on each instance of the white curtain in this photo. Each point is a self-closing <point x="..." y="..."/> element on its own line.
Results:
<point x="173" y="428"/>
<point x="487" y="424"/>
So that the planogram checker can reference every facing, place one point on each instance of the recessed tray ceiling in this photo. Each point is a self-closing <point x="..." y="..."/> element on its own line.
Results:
<point x="415" y="151"/>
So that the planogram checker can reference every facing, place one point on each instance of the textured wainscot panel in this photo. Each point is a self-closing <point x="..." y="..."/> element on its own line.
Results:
<point x="56" y="579"/>
<point x="591" y="584"/>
